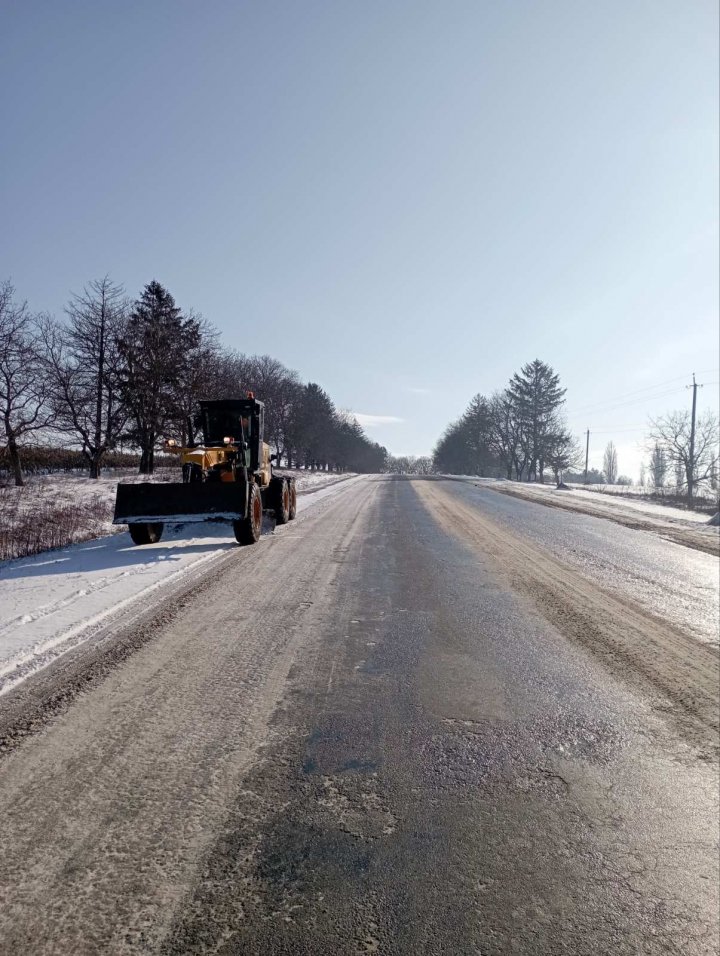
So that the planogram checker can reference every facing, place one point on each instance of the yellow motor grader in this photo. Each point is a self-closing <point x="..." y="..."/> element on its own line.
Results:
<point x="227" y="477"/>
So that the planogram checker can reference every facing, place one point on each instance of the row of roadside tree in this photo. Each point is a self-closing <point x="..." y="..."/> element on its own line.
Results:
<point x="115" y="374"/>
<point x="520" y="433"/>
<point x="517" y="433"/>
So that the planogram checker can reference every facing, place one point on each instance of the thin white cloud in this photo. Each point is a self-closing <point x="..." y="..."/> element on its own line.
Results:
<point x="418" y="391"/>
<point x="371" y="421"/>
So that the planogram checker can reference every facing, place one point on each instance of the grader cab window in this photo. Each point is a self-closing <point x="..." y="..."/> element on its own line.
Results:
<point x="222" y="423"/>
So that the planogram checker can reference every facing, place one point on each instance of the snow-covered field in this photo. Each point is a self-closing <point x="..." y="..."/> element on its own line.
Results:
<point x="58" y="510"/>
<point x="52" y="601"/>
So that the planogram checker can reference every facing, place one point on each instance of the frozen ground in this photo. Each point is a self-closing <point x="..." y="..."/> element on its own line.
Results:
<point x="52" y="601"/>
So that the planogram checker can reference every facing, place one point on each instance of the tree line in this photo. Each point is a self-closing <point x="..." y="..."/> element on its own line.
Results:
<point x="520" y="432"/>
<point x="114" y="374"/>
<point x="683" y="460"/>
<point x="517" y="433"/>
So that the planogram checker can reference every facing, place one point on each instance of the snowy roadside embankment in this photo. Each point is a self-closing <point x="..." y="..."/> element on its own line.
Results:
<point x="53" y="601"/>
<point x="59" y="510"/>
<point x="634" y="500"/>
<point x="55" y="511"/>
<point x="683" y="527"/>
<point x="611" y="503"/>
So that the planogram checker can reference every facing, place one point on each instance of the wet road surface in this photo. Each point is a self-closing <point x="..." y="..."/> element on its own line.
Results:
<point x="425" y="719"/>
<point x="677" y="583"/>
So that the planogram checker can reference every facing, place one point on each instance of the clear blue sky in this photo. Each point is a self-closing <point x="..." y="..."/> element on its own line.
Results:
<point x="404" y="201"/>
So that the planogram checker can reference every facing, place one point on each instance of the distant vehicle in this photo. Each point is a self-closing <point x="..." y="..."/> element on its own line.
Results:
<point x="229" y="476"/>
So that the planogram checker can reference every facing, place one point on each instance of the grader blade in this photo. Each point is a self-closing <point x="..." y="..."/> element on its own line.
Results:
<point x="174" y="501"/>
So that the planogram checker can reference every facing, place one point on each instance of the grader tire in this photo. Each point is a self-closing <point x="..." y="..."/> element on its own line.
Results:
<point x="146" y="533"/>
<point x="249" y="529"/>
<point x="282" y="503"/>
<point x="191" y="472"/>
<point x="292" y="510"/>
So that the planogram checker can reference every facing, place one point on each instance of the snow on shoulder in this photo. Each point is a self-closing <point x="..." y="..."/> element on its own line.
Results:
<point x="51" y="602"/>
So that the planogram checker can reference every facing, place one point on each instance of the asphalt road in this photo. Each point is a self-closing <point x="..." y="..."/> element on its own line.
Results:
<point x="425" y="718"/>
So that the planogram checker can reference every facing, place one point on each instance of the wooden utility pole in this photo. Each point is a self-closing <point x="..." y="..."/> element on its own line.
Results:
<point x="587" y="453"/>
<point x="691" y="475"/>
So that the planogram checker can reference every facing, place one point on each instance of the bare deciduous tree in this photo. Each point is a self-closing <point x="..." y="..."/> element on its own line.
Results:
<point x="23" y="386"/>
<point x="692" y="463"/>
<point x="280" y="388"/>
<point x="196" y="378"/>
<point x="506" y="436"/>
<point x="610" y="464"/>
<point x="658" y="466"/>
<point x="562" y="451"/>
<point x="82" y="360"/>
<point x="410" y="465"/>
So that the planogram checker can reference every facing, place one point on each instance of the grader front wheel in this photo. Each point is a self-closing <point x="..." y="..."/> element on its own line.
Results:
<point x="249" y="529"/>
<point x="292" y="509"/>
<point x="145" y="533"/>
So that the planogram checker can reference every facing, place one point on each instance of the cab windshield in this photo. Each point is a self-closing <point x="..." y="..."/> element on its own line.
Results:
<point x="219" y="424"/>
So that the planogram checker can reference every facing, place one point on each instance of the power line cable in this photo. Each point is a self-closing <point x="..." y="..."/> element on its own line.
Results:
<point x="619" y="399"/>
<point x="672" y="391"/>
<point x="618" y="431"/>
<point x="611" y="406"/>
<point x="648" y="388"/>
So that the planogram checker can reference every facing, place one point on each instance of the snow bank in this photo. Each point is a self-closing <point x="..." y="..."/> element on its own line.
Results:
<point x="600" y="502"/>
<point x="613" y="499"/>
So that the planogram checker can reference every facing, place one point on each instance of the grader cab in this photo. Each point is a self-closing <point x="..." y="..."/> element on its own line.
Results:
<point x="228" y="476"/>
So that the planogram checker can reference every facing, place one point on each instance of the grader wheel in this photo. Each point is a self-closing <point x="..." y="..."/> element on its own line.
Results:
<point x="248" y="530"/>
<point x="282" y="503"/>
<point x="145" y="533"/>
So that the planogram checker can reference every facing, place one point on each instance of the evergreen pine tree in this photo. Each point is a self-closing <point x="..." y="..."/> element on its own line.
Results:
<point x="156" y="352"/>
<point x="535" y="394"/>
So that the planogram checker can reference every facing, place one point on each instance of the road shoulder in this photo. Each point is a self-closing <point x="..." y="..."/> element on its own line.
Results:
<point x="681" y="674"/>
<point x="700" y="538"/>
